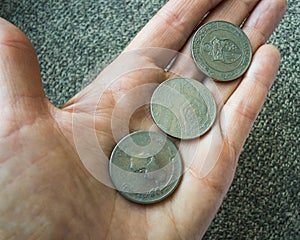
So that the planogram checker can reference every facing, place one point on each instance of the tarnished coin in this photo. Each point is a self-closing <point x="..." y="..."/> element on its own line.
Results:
<point x="221" y="50"/>
<point x="145" y="167"/>
<point x="183" y="108"/>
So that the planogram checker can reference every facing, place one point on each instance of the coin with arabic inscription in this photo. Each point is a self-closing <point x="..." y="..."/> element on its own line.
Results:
<point x="183" y="108"/>
<point x="145" y="167"/>
<point x="221" y="50"/>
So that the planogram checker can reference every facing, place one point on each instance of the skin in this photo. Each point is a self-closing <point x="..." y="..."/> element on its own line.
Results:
<point x="46" y="192"/>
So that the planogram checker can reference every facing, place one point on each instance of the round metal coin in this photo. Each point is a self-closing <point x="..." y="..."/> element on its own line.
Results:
<point x="145" y="167"/>
<point x="183" y="108"/>
<point x="221" y="50"/>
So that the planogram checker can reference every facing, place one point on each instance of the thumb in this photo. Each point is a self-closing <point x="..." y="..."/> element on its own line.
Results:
<point x="21" y="91"/>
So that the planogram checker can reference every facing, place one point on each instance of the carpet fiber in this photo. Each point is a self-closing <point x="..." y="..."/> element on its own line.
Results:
<point x="75" y="39"/>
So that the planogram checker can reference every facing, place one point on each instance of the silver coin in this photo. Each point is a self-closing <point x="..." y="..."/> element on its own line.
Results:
<point x="221" y="50"/>
<point x="183" y="108"/>
<point x="145" y="167"/>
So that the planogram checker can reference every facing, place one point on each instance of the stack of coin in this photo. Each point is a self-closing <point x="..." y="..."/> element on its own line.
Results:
<point x="145" y="167"/>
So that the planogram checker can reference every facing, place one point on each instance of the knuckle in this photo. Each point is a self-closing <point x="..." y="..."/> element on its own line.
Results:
<point x="13" y="37"/>
<point x="248" y="3"/>
<point x="284" y="4"/>
<point x="172" y="19"/>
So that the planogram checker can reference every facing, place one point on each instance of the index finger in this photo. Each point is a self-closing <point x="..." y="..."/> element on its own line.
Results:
<point x="172" y="25"/>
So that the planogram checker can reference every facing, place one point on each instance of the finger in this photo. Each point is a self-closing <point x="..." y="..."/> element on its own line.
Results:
<point x="263" y="21"/>
<point x="242" y="108"/>
<point x="172" y="25"/>
<point x="20" y="79"/>
<point x="234" y="11"/>
<point x="237" y="118"/>
<point x="259" y="26"/>
<point x="19" y="68"/>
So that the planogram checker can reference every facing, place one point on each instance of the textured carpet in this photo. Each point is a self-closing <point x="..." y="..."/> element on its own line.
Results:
<point x="75" y="39"/>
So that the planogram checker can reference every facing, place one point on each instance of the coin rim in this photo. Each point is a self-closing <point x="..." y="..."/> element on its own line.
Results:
<point x="214" y="105"/>
<point x="176" y="183"/>
<point x="203" y="70"/>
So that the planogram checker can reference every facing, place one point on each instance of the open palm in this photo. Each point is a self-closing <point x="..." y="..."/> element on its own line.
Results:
<point x="54" y="181"/>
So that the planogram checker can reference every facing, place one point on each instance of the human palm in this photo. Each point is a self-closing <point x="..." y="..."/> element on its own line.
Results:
<point x="54" y="181"/>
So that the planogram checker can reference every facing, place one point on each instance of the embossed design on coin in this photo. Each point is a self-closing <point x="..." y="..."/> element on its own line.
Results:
<point x="145" y="167"/>
<point x="183" y="108"/>
<point x="221" y="50"/>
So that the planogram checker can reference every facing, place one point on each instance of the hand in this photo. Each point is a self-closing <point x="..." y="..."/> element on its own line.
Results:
<point x="53" y="162"/>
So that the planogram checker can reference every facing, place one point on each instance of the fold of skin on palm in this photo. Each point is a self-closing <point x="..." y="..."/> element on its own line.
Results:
<point x="54" y="181"/>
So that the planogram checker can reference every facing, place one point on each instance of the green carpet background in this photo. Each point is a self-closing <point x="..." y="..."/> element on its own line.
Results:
<point x="75" y="39"/>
